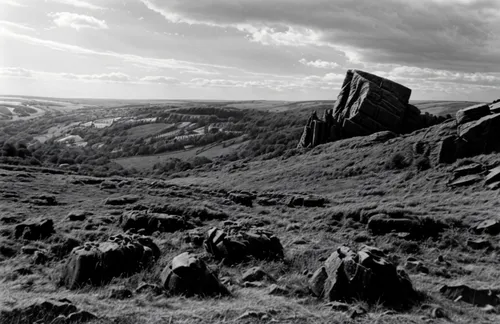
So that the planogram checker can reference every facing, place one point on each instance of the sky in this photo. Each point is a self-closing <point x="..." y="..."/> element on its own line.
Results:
<point x="247" y="49"/>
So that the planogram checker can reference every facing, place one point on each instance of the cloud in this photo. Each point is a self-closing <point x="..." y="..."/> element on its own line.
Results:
<point x="461" y="35"/>
<point x="160" y="79"/>
<point x="77" y="21"/>
<point x="16" y="25"/>
<point x="15" y="72"/>
<point x="106" y="77"/>
<point x="319" y="64"/>
<point x="80" y="4"/>
<point x="13" y="3"/>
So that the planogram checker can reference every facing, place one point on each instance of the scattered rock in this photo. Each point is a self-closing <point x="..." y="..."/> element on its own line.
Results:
<point x="188" y="275"/>
<point x="108" y="185"/>
<point x="305" y="201"/>
<point x="40" y="312"/>
<point x="416" y="227"/>
<point x="151" y="222"/>
<point x="147" y="287"/>
<point x="122" y="200"/>
<point x="478" y="297"/>
<point x="97" y="263"/>
<point x="465" y="180"/>
<point x="80" y="317"/>
<point x="478" y="244"/>
<point x="40" y="258"/>
<point x="256" y="274"/>
<point x="366" y="275"/>
<point x="62" y="249"/>
<point x="35" y="229"/>
<point x="473" y="168"/>
<point x="490" y="226"/>
<point x="44" y="200"/>
<point x="276" y="290"/>
<point x="120" y="293"/>
<point x="416" y="266"/>
<point x="239" y="245"/>
<point x="242" y="198"/>
<point x="357" y="311"/>
<point x="78" y="215"/>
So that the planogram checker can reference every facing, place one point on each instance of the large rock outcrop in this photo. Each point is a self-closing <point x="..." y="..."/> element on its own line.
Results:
<point x="366" y="104"/>
<point x="98" y="263"/>
<point x="188" y="275"/>
<point x="366" y="275"/>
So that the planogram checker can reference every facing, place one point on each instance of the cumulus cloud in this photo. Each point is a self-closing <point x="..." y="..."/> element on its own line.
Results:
<point x="77" y="21"/>
<point x="15" y="72"/>
<point x="80" y="4"/>
<point x="319" y="64"/>
<point x="160" y="79"/>
<point x="458" y="35"/>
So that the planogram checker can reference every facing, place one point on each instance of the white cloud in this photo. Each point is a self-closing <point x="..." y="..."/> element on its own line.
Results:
<point x="160" y="79"/>
<point x="77" y="21"/>
<point x="16" y="25"/>
<point x="80" y="4"/>
<point x="15" y="72"/>
<point x="13" y="3"/>
<point x="319" y="64"/>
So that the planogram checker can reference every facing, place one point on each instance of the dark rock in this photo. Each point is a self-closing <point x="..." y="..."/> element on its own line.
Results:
<point x="62" y="249"/>
<point x="98" y="263"/>
<point x="480" y="136"/>
<point x="490" y="226"/>
<point x="44" y="200"/>
<point x="465" y="180"/>
<point x="447" y="150"/>
<point x="276" y="290"/>
<point x="366" y="275"/>
<point x="147" y="287"/>
<point x="239" y="245"/>
<point x="478" y="297"/>
<point x="472" y="113"/>
<point x="188" y="275"/>
<point x="108" y="185"/>
<point x="339" y="307"/>
<point x="305" y="201"/>
<point x="120" y="293"/>
<point x="122" y="200"/>
<point x="416" y="266"/>
<point x="29" y="249"/>
<point x="78" y="215"/>
<point x="416" y="227"/>
<point x="45" y="312"/>
<point x="493" y="175"/>
<point x="495" y="108"/>
<point x="494" y="185"/>
<point x="151" y="222"/>
<point x="80" y="317"/>
<point x="357" y="311"/>
<point x="478" y="244"/>
<point x="40" y="258"/>
<point x="256" y="274"/>
<point x="34" y="230"/>
<point x="241" y="198"/>
<point x="473" y="168"/>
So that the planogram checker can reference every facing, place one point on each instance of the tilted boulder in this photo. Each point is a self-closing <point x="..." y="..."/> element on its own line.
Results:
<point x="472" y="113"/>
<point x="151" y="222"/>
<point x="98" y="263"/>
<point x="238" y="245"/>
<point x="416" y="227"/>
<point x="35" y="229"/>
<point x="188" y="275"/>
<point x="479" y="136"/>
<point x="242" y="198"/>
<point x="366" y="275"/>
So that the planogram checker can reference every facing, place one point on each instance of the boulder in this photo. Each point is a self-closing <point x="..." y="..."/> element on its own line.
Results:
<point x="480" y="136"/>
<point x="364" y="275"/>
<point x="35" y="229"/>
<point x="256" y="274"/>
<point x="188" y="275"/>
<point x="465" y="180"/>
<point x="490" y="226"/>
<point x="48" y="311"/>
<point x="447" y="150"/>
<point x="241" y="198"/>
<point x="478" y="297"/>
<point x="239" y="245"/>
<point x="305" y="201"/>
<point x="97" y="263"/>
<point x="478" y="244"/>
<point x="416" y="227"/>
<point x="472" y="113"/>
<point x="122" y="200"/>
<point x="151" y="222"/>
<point x="495" y="107"/>
<point x="44" y="200"/>
<point x="493" y="175"/>
<point x="473" y="168"/>
<point x="78" y="215"/>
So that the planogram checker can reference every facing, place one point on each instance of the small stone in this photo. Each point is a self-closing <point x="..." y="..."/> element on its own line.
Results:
<point x="357" y="311"/>
<point x="339" y="307"/>
<point x="276" y="290"/>
<point x="489" y="309"/>
<point x="254" y="274"/>
<point x="478" y="244"/>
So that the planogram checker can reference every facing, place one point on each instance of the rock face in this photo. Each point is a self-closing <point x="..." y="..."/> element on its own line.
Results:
<point x="97" y="263"/>
<point x="188" y="275"/>
<point x="34" y="230"/>
<point x="151" y="222"/>
<point x="366" y="104"/>
<point x="480" y="136"/>
<point x="238" y="245"/>
<point x="366" y="275"/>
